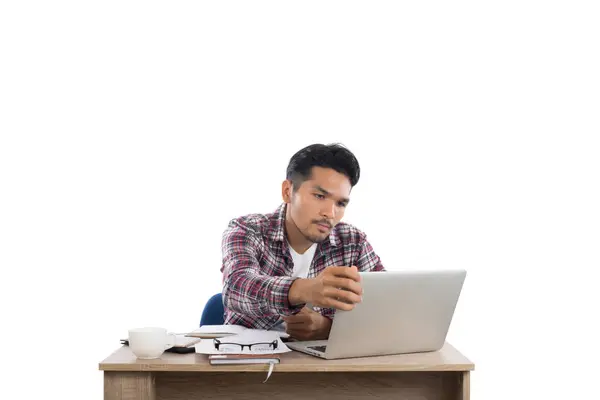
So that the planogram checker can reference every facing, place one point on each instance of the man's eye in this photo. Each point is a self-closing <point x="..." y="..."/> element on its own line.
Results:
<point x="342" y="204"/>
<point x="319" y="196"/>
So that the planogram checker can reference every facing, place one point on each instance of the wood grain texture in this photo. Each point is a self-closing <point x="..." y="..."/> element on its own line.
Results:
<point x="309" y="386"/>
<point x="446" y="359"/>
<point x="129" y="386"/>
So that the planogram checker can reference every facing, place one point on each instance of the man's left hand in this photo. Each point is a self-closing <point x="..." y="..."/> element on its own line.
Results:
<point x="308" y="325"/>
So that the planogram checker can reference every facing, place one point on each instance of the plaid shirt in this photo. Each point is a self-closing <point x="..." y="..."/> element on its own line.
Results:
<point x="257" y="266"/>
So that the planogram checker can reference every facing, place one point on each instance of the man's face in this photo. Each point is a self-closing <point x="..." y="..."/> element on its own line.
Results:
<point x="320" y="202"/>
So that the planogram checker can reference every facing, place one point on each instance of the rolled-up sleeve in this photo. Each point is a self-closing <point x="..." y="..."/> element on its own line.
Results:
<point x="248" y="288"/>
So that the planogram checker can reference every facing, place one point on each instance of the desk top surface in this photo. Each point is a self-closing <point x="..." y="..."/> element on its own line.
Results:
<point x="446" y="359"/>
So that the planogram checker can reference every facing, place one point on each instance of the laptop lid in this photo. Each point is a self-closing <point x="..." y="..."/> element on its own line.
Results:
<point x="401" y="312"/>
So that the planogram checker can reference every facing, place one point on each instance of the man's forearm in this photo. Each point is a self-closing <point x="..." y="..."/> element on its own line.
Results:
<point x="257" y="295"/>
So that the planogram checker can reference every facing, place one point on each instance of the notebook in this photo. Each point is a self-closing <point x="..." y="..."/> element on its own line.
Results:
<point x="185" y="341"/>
<point x="218" y="331"/>
<point x="221" y="359"/>
<point x="229" y="359"/>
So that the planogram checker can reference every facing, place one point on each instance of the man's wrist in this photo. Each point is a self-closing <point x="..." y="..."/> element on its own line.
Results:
<point x="298" y="292"/>
<point x="326" y="323"/>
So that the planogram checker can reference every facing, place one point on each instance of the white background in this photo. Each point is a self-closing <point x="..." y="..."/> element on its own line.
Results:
<point x="131" y="132"/>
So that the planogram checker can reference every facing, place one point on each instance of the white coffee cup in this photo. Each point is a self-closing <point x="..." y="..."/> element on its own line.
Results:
<point x="150" y="343"/>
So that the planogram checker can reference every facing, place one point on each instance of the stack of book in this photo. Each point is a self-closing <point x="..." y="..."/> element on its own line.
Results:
<point x="241" y="346"/>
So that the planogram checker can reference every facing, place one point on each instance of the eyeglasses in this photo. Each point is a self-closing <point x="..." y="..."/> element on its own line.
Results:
<point x="227" y="346"/>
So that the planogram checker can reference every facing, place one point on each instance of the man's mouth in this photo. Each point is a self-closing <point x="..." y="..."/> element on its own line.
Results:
<point x="323" y="227"/>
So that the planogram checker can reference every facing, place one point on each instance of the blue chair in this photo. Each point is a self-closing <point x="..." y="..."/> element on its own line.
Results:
<point x="214" y="311"/>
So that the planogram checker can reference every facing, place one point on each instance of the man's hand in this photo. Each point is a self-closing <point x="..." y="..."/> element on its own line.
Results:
<point x="308" y="325"/>
<point x="335" y="287"/>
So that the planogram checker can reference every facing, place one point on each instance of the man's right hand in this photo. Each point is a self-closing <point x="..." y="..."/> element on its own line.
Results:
<point x="335" y="287"/>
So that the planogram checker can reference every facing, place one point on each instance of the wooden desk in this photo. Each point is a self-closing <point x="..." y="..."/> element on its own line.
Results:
<point x="438" y="375"/>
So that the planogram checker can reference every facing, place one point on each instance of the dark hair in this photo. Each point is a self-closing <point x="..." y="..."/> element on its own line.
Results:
<point x="334" y="156"/>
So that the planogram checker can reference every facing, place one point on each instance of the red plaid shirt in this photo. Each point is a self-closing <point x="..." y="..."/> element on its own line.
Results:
<point x="257" y="266"/>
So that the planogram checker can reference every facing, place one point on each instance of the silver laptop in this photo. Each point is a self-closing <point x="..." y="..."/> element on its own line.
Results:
<point x="401" y="312"/>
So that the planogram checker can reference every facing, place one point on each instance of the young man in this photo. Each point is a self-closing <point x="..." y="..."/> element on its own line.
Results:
<point x="300" y="263"/>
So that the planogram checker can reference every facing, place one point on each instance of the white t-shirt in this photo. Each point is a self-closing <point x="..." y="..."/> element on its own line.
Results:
<point x="302" y="261"/>
<point x="301" y="266"/>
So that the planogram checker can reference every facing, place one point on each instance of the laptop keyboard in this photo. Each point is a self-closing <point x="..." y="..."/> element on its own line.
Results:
<point x="318" y="348"/>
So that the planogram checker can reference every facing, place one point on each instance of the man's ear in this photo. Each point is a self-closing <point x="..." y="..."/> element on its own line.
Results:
<point x="286" y="191"/>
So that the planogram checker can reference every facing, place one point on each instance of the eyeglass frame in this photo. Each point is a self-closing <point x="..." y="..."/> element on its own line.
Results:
<point x="272" y="344"/>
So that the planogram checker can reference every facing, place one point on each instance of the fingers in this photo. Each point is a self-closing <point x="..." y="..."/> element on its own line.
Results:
<point x="301" y="335"/>
<point x="304" y="328"/>
<point x="298" y="330"/>
<point x="310" y="326"/>
<point x="340" y="305"/>
<point x="297" y="321"/>
<point x="345" y="272"/>
<point x="338" y="287"/>
<point x="343" y="296"/>
<point x="301" y="330"/>
<point x="345" y="284"/>
<point x="300" y="317"/>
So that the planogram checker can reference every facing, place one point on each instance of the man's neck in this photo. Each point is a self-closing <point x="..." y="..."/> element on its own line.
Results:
<point x="294" y="237"/>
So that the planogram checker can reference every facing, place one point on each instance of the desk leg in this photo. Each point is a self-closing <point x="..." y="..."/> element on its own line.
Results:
<point x="129" y="386"/>
<point x="465" y="386"/>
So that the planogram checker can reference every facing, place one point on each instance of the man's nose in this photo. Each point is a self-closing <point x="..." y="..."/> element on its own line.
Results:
<point x="329" y="210"/>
